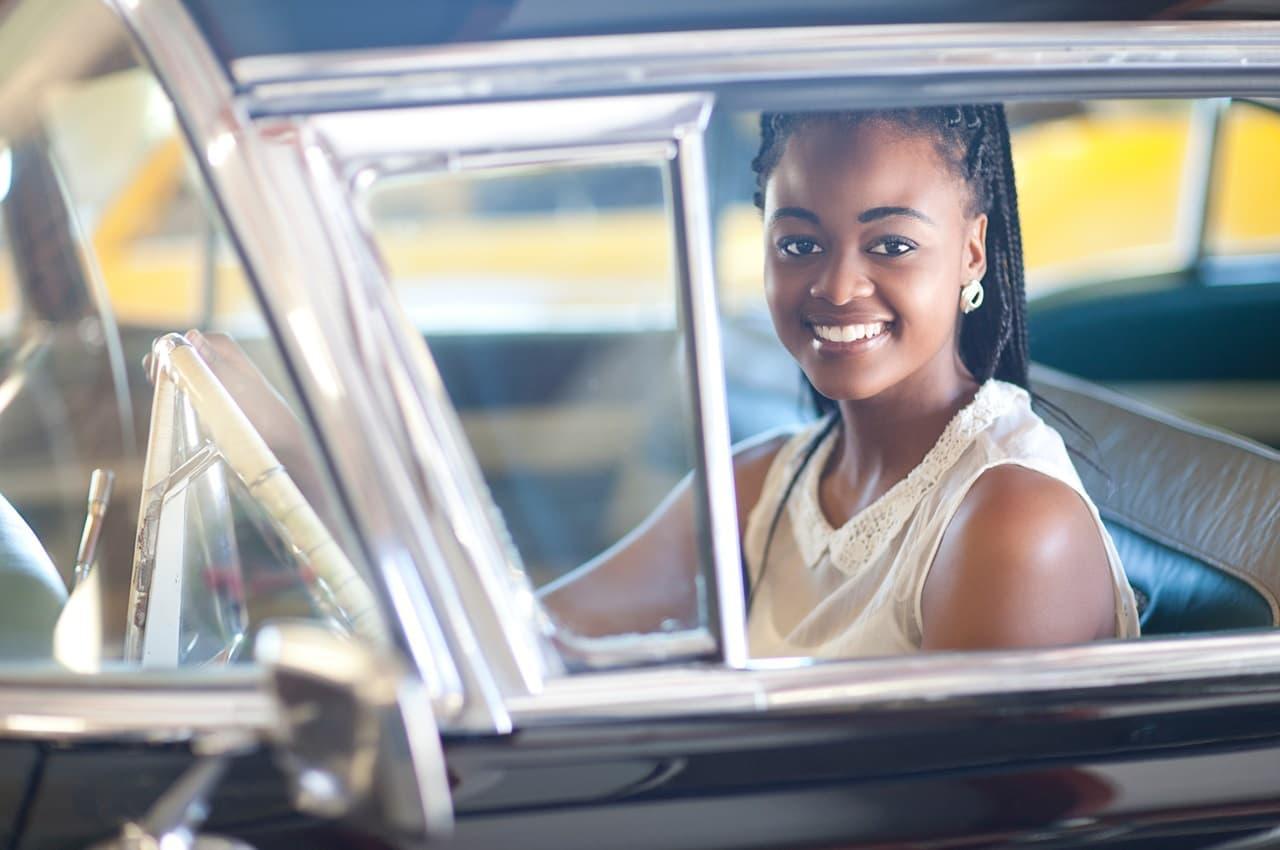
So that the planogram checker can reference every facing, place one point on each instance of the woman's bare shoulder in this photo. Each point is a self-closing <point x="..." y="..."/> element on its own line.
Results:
<point x="752" y="459"/>
<point x="1022" y="563"/>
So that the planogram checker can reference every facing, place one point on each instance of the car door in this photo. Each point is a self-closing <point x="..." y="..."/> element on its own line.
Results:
<point x="1120" y="742"/>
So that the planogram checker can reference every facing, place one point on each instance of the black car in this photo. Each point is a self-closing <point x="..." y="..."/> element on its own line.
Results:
<point x="494" y="263"/>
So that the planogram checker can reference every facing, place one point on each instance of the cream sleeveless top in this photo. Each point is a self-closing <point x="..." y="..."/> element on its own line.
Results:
<point x="855" y="590"/>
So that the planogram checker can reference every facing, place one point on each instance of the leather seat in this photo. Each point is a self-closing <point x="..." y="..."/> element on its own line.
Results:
<point x="31" y="591"/>
<point x="1194" y="511"/>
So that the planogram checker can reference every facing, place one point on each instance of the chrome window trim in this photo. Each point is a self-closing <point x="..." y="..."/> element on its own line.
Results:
<point x="188" y="705"/>
<point x="370" y="145"/>
<point x="278" y="231"/>
<point x="558" y="67"/>
<point x="803" y="685"/>
<point x="691" y="206"/>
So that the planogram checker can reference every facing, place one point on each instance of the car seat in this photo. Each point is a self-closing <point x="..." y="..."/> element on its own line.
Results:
<point x="1194" y="511"/>
<point x="31" y="591"/>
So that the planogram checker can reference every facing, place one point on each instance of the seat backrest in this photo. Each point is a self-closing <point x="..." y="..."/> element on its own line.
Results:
<point x="1194" y="511"/>
<point x="31" y="591"/>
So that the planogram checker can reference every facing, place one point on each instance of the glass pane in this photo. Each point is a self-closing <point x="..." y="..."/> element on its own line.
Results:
<point x="1247" y="183"/>
<point x="548" y="301"/>
<point x="109" y="242"/>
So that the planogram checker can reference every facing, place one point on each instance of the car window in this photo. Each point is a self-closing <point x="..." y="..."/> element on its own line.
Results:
<point x="1242" y="216"/>
<point x="548" y="298"/>
<point x="110" y="242"/>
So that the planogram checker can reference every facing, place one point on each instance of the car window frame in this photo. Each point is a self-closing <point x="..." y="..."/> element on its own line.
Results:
<point x="666" y="129"/>
<point x="932" y="64"/>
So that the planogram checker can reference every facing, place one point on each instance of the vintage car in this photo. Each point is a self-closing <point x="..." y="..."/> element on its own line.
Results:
<point x="473" y="286"/>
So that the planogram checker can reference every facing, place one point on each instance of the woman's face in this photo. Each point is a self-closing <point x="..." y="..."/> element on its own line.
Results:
<point x="867" y="244"/>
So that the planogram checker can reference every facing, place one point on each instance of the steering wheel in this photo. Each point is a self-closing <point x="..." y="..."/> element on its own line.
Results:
<point x="195" y="424"/>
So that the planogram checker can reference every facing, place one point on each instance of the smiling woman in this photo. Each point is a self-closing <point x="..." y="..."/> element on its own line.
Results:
<point x="929" y="507"/>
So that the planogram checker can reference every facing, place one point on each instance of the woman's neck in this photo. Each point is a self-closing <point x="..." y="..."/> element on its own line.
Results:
<point x="883" y="438"/>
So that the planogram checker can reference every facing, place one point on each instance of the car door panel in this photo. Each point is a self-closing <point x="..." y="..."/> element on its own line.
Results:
<point x="86" y="792"/>
<point x="19" y="761"/>
<point x="970" y="772"/>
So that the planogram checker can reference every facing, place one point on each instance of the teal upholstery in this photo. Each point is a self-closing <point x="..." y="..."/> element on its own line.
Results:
<point x="1179" y="593"/>
<point x="31" y="591"/>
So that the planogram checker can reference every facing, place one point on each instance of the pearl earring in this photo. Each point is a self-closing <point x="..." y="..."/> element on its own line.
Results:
<point x="971" y="295"/>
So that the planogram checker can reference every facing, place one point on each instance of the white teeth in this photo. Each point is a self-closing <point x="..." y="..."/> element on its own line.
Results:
<point x="848" y="333"/>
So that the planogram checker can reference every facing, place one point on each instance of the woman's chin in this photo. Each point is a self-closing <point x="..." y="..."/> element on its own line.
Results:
<point x="850" y="390"/>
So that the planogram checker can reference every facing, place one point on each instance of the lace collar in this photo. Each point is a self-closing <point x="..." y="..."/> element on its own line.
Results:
<point x="867" y="532"/>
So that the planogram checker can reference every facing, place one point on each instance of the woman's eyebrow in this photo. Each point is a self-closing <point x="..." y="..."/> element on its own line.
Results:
<point x="795" y="212"/>
<point x="877" y="213"/>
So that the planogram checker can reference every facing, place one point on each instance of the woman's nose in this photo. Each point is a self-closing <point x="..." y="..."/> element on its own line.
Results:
<point x="842" y="281"/>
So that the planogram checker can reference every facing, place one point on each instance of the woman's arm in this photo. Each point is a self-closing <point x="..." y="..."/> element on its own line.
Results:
<point x="1021" y="564"/>
<point x="648" y="578"/>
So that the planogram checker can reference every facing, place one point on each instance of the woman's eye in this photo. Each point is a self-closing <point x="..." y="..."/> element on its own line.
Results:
<point x="892" y="246"/>
<point x="799" y="247"/>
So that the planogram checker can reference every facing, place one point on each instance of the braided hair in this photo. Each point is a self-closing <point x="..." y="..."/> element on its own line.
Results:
<point x="974" y="142"/>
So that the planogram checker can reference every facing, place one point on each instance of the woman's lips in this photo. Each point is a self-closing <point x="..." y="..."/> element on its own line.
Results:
<point x="849" y="338"/>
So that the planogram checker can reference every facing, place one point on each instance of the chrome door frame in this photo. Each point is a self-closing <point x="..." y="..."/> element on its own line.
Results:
<point x="1019" y="60"/>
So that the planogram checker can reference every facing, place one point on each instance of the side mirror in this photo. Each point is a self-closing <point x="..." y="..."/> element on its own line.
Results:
<point x="356" y="734"/>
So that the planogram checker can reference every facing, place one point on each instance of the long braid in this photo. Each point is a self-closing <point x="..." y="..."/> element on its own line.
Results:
<point x="1014" y="359"/>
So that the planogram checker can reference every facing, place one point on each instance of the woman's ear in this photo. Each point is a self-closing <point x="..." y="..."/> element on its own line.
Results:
<point x="975" y="249"/>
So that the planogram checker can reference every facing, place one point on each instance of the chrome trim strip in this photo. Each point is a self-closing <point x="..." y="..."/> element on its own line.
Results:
<point x="628" y="63"/>
<point x="176" y="706"/>
<point x="494" y="134"/>
<point x="691" y="207"/>
<point x="844" y="686"/>
<point x="280" y="233"/>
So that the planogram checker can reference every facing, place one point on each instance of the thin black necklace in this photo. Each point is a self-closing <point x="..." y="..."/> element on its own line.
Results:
<point x="777" y="514"/>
